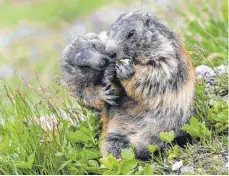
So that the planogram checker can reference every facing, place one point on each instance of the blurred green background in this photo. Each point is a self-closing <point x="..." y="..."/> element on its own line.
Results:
<point x="33" y="33"/>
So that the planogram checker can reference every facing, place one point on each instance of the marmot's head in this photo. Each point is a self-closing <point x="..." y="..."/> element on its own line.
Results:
<point x="148" y="41"/>
<point x="83" y="62"/>
<point x="139" y="34"/>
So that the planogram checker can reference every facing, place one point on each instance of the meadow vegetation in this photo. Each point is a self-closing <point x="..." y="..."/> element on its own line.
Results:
<point x="67" y="142"/>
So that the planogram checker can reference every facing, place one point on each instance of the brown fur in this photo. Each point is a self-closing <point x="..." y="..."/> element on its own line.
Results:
<point x="143" y="106"/>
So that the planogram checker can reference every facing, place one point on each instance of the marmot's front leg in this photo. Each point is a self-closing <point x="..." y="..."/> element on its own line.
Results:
<point x="126" y="73"/>
<point x="112" y="90"/>
<point x="109" y="74"/>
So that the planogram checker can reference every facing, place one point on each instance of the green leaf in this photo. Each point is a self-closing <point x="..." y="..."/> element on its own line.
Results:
<point x="172" y="156"/>
<point x="106" y="163"/>
<point x="195" y="123"/>
<point x="110" y="162"/>
<point x="148" y="169"/>
<point x="128" y="154"/>
<point x="85" y="130"/>
<point x="90" y="154"/>
<point x="27" y="164"/>
<point x="109" y="172"/>
<point x="93" y="163"/>
<point x="174" y="152"/>
<point x="204" y="130"/>
<point x="221" y="127"/>
<point x="64" y="165"/>
<point x="167" y="136"/>
<point x="78" y="136"/>
<point x="221" y="117"/>
<point x="193" y="128"/>
<point x="152" y="148"/>
<point x="85" y="111"/>
<point x="128" y="166"/>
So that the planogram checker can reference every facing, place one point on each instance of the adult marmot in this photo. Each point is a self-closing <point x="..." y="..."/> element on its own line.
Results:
<point x="159" y="85"/>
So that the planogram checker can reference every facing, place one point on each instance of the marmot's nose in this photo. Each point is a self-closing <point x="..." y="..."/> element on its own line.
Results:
<point x="111" y="50"/>
<point x="105" y="61"/>
<point x="111" y="53"/>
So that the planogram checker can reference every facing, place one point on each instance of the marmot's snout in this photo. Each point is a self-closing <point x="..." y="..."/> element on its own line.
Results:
<point x="111" y="49"/>
<point x="104" y="62"/>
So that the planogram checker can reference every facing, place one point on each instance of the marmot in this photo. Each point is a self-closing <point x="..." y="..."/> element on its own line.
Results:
<point x="159" y="84"/>
<point x="89" y="74"/>
<point x="156" y="74"/>
<point x="86" y="72"/>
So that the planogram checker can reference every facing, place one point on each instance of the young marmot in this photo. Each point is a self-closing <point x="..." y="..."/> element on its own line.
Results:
<point x="89" y="75"/>
<point x="86" y="72"/>
<point x="159" y="84"/>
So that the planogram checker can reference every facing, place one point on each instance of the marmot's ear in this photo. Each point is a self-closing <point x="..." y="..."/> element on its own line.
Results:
<point x="147" y="19"/>
<point x="90" y="36"/>
<point x="78" y="43"/>
<point x="103" y="37"/>
<point x="147" y="22"/>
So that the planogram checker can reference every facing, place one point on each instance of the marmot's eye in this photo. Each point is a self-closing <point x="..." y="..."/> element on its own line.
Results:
<point x="147" y="22"/>
<point x="93" y="45"/>
<point x="130" y="34"/>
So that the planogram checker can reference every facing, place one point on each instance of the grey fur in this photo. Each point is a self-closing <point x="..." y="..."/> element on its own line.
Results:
<point x="154" y="72"/>
<point x="85" y="71"/>
<point x="160" y="90"/>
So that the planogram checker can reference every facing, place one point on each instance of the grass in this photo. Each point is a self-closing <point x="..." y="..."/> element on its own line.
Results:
<point x="30" y="145"/>
<point x="206" y="28"/>
<point x="45" y="131"/>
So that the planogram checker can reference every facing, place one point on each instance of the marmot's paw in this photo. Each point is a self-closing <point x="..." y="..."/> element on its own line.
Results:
<point x="109" y="95"/>
<point x="114" y="143"/>
<point x="109" y="74"/>
<point x="124" y="69"/>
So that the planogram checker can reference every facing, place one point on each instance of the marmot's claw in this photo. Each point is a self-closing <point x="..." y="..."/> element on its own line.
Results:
<point x="112" y="97"/>
<point x="107" y="87"/>
<point x="110" y="91"/>
<point x="111" y="102"/>
<point x="109" y="95"/>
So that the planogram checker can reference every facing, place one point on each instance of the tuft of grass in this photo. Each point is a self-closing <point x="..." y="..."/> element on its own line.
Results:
<point x="41" y="136"/>
<point x="222" y="88"/>
<point x="206" y="34"/>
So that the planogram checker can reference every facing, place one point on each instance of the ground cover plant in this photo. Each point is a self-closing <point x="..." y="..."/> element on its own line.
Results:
<point x="43" y="130"/>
